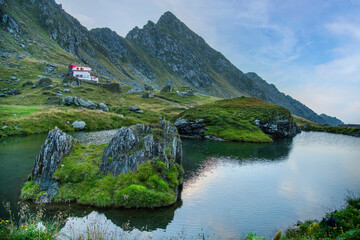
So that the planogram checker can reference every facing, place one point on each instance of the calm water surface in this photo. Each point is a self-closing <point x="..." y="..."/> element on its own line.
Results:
<point x="230" y="188"/>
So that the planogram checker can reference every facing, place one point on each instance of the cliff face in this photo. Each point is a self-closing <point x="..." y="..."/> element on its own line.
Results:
<point x="151" y="55"/>
<point x="133" y="146"/>
<point x="57" y="146"/>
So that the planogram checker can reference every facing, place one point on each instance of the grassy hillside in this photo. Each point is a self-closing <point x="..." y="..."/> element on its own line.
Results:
<point x="233" y="119"/>
<point x="307" y="125"/>
<point x="36" y="110"/>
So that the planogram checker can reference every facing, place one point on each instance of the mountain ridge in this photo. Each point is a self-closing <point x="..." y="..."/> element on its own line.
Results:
<point x="159" y="51"/>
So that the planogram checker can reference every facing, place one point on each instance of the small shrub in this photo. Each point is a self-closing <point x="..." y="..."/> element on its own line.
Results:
<point x="30" y="190"/>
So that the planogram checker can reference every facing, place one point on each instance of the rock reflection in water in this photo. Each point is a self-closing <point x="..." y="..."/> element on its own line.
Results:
<point x="97" y="226"/>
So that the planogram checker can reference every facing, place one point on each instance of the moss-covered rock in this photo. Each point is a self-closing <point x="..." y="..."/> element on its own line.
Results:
<point x="153" y="180"/>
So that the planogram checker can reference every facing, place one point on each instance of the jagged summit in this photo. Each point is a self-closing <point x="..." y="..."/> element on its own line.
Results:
<point x="154" y="54"/>
<point x="168" y="18"/>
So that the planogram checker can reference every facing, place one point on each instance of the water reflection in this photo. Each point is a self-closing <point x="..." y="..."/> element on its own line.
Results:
<point x="230" y="188"/>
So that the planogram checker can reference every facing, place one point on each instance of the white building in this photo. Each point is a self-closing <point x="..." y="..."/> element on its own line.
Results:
<point x="82" y="73"/>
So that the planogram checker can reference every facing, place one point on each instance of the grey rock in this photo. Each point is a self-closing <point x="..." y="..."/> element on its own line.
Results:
<point x="84" y="103"/>
<point x="148" y="95"/>
<point x="148" y="87"/>
<point x="57" y="146"/>
<point x="132" y="146"/>
<point x="68" y="100"/>
<point x="191" y="129"/>
<point x="10" y="24"/>
<point x="44" y="82"/>
<point x="13" y="78"/>
<point x="185" y="94"/>
<point x="103" y="107"/>
<point x="79" y="124"/>
<point x="139" y="111"/>
<point x="5" y="126"/>
<point x="13" y="92"/>
<point x="21" y="97"/>
<point x="66" y="90"/>
<point x="278" y="127"/>
<point x="22" y="45"/>
<point x="121" y="115"/>
<point x="3" y="95"/>
<point x="134" y="108"/>
<point x="168" y="87"/>
<point x="135" y="90"/>
<point x="27" y="83"/>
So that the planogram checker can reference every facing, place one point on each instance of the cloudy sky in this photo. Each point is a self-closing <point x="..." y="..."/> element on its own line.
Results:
<point x="310" y="49"/>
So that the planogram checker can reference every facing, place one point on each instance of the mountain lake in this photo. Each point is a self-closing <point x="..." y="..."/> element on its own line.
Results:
<point x="230" y="188"/>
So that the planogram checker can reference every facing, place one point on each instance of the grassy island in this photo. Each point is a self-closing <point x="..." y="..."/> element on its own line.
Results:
<point x="233" y="119"/>
<point x="80" y="180"/>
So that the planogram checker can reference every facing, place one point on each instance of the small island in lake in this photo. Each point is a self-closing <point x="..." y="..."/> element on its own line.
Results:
<point x="139" y="167"/>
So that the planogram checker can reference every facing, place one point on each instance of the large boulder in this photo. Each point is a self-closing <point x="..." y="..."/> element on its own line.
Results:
<point x="103" y="107"/>
<point x="278" y="127"/>
<point x="84" y="103"/>
<point x="148" y="95"/>
<point x="57" y="145"/>
<point x="193" y="129"/>
<point x="79" y="124"/>
<point x="134" y="145"/>
<point x="44" y="82"/>
<point x="168" y="87"/>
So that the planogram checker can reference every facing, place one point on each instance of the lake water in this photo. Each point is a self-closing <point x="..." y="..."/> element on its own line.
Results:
<point x="229" y="190"/>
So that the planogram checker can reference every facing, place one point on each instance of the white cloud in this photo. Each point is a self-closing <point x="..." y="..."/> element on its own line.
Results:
<point x="345" y="28"/>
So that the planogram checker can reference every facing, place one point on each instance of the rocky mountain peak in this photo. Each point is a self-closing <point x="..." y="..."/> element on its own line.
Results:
<point x="168" y="18"/>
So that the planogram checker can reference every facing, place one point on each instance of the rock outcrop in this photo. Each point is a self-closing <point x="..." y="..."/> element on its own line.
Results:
<point x="168" y="87"/>
<point x="279" y="127"/>
<point x="69" y="100"/>
<point x="194" y="129"/>
<point x="134" y="145"/>
<point x="57" y="145"/>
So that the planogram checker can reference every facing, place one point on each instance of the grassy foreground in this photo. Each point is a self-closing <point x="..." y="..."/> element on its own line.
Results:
<point x="152" y="185"/>
<point x="233" y="119"/>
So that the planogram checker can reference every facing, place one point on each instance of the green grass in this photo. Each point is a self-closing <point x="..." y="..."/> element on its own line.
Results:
<point x="80" y="180"/>
<point x="46" y="119"/>
<point x="233" y="119"/>
<point x="340" y="224"/>
<point x="15" y="111"/>
<point x="307" y="125"/>
<point x="29" y="225"/>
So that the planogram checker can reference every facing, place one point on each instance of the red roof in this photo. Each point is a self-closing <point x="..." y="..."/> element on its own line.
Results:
<point x="77" y="68"/>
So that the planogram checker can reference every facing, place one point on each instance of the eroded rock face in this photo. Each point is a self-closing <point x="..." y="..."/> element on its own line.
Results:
<point x="194" y="129"/>
<point x="134" y="145"/>
<point x="57" y="145"/>
<point x="279" y="127"/>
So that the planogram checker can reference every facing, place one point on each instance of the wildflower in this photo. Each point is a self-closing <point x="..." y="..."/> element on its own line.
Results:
<point x="22" y="225"/>
<point x="7" y="221"/>
<point x="25" y="229"/>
